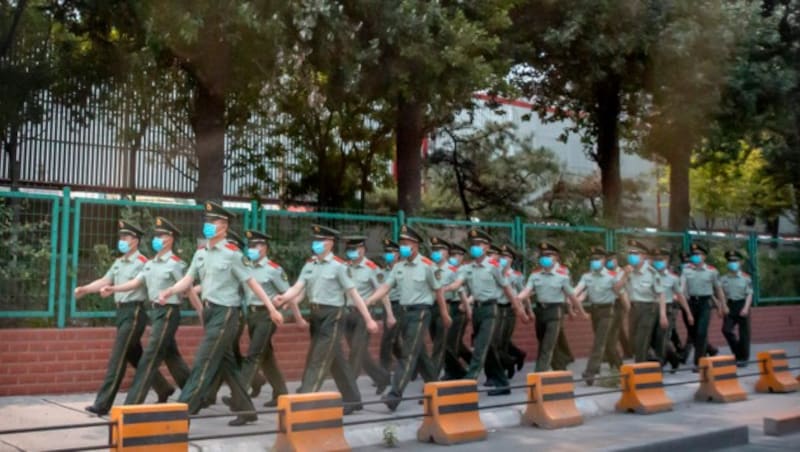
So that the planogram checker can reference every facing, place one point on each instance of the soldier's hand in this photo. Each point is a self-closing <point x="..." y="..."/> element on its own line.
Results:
<point x="372" y="326"/>
<point x="469" y="315"/>
<point x="447" y="320"/>
<point x="663" y="322"/>
<point x="163" y="295"/>
<point x="744" y="312"/>
<point x="690" y="319"/>
<point x="584" y="315"/>
<point x="80" y="292"/>
<point x="278" y="300"/>
<point x="276" y="317"/>
<point x="391" y="321"/>
<point x="301" y="322"/>
<point x="628" y="268"/>
<point x="106" y="291"/>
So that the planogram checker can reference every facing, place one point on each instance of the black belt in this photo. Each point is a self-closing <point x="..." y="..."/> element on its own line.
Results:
<point x="504" y="306"/>
<point x="257" y="307"/>
<point x="736" y="301"/>
<point x="453" y="301"/>
<point x="129" y="303"/>
<point x="415" y="307"/>
<point x="485" y="302"/>
<point x="324" y="306"/>
<point x="699" y="297"/>
<point x="209" y="304"/>
<point x="156" y="304"/>
<point x="394" y="302"/>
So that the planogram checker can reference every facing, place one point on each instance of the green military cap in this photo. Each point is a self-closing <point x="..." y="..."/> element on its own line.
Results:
<point x="661" y="251"/>
<point x="548" y="248"/>
<point x="457" y="249"/>
<point x="390" y="245"/>
<point x="409" y="234"/>
<point x="479" y="235"/>
<point x="684" y="257"/>
<point x="698" y="248"/>
<point x="163" y="226"/>
<point x="216" y="211"/>
<point x="235" y="238"/>
<point x="254" y="236"/>
<point x="126" y="227"/>
<point x="508" y="250"/>
<point x="598" y="251"/>
<point x="637" y="246"/>
<point x="494" y="249"/>
<point x="355" y="240"/>
<point x="324" y="232"/>
<point x="734" y="255"/>
<point x="439" y="243"/>
<point x="611" y="254"/>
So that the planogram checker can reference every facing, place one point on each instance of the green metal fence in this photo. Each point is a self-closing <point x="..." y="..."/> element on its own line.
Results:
<point x="49" y="244"/>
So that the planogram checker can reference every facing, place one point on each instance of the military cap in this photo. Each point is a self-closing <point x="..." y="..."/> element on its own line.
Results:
<point x="355" y="240"/>
<point x="163" y="226"/>
<point x="698" y="248"/>
<point x="390" y="245"/>
<point x="733" y="255"/>
<point x="254" y="236"/>
<point x="508" y="250"/>
<point x="547" y="247"/>
<point x="457" y="249"/>
<point x="126" y="227"/>
<point x="611" y="254"/>
<point x="638" y="246"/>
<point x="684" y="257"/>
<point x="323" y="232"/>
<point x="409" y="234"/>
<point x="439" y="243"/>
<point x="479" y="235"/>
<point x="661" y="251"/>
<point x="494" y="249"/>
<point x="235" y="238"/>
<point x="216" y="211"/>
<point x="598" y="251"/>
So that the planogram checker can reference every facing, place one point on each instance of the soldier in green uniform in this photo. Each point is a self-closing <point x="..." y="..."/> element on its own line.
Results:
<point x="562" y="355"/>
<point x="364" y="273"/>
<point x="131" y="319"/>
<point x="550" y="283"/>
<point x="700" y="281"/>
<point x="598" y="286"/>
<point x="220" y="267"/>
<point x="487" y="285"/>
<point x="643" y="285"/>
<point x="664" y="348"/>
<point x="738" y="288"/>
<point x="512" y="357"/>
<point x="162" y="271"/>
<point x="419" y="285"/>
<point x="619" y="331"/>
<point x="389" y="344"/>
<point x="461" y="314"/>
<point x="440" y="254"/>
<point x="325" y="281"/>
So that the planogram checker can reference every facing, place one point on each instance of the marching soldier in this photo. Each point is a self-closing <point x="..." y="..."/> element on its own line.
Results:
<point x="643" y="285"/>
<point x="738" y="288"/>
<point x="665" y="349"/>
<point x="419" y="285"/>
<point x="598" y="286"/>
<point x="325" y="281"/>
<point x="364" y="273"/>
<point x="562" y="355"/>
<point x="619" y="331"/>
<point x="700" y="281"/>
<point x="131" y="319"/>
<point x="461" y="314"/>
<point x="487" y="285"/>
<point x="550" y="283"/>
<point x="513" y="357"/>
<point x="162" y="271"/>
<point x="440" y="255"/>
<point x="389" y="344"/>
<point x="220" y="267"/>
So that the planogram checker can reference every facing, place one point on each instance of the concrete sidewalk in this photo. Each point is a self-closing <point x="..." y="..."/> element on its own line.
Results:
<point x="34" y="411"/>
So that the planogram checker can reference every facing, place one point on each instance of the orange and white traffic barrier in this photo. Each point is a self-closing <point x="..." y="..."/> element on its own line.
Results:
<point x="643" y="389"/>
<point x="451" y="409"/>
<point x="310" y="422"/>
<point x="775" y="376"/>
<point x="163" y="427"/>
<point x="719" y="381"/>
<point x="551" y="400"/>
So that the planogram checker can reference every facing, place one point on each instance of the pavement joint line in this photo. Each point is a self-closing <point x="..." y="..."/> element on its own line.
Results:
<point x="67" y="407"/>
<point x="11" y="445"/>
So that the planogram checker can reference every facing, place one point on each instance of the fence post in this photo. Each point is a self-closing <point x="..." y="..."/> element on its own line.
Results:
<point x="401" y="220"/>
<point x="253" y="215"/>
<point x="611" y="238"/>
<point x="64" y="249"/>
<point x="752" y="250"/>
<point x="516" y="236"/>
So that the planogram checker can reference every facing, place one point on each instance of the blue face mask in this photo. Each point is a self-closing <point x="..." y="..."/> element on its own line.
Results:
<point x="158" y="244"/>
<point x="659" y="265"/>
<point x="634" y="259"/>
<point x="610" y="265"/>
<point x="733" y="266"/>
<point x="253" y="254"/>
<point x="503" y="262"/>
<point x="123" y="246"/>
<point x="452" y="261"/>
<point x="405" y="251"/>
<point x="351" y="254"/>
<point x="388" y="257"/>
<point x="546" y="261"/>
<point x="596" y="265"/>
<point x="209" y="230"/>
<point x="695" y="259"/>
<point x="436" y="256"/>
<point x="317" y="247"/>
<point x="475" y="251"/>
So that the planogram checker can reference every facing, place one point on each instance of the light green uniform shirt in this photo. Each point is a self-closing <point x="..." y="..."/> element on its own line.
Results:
<point x="700" y="280"/>
<point x="221" y="271"/>
<point x="160" y="273"/>
<point x="484" y="280"/>
<point x="644" y="285"/>
<point x="326" y="280"/>
<point x="270" y="276"/>
<point x="416" y="279"/>
<point x="737" y="286"/>
<point x="365" y="277"/>
<point x="123" y="270"/>
<point x="448" y="275"/>
<point x="550" y="286"/>
<point x="599" y="287"/>
<point x="394" y="293"/>
<point x="671" y="284"/>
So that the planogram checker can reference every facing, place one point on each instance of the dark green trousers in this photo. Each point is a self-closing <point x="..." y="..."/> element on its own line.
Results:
<point x="215" y="358"/>
<point x="602" y="317"/>
<point x="548" y="327"/>
<point x="389" y="343"/>
<point x="662" y="345"/>
<point x="413" y="323"/>
<point x="454" y="345"/>
<point x="509" y="352"/>
<point x="358" y="340"/>
<point x="615" y="336"/>
<point x="211" y="395"/>
<point x="486" y="324"/>
<point x="161" y="347"/>
<point x="325" y="354"/>
<point x="740" y="346"/>
<point x="562" y="355"/>
<point x="260" y="354"/>
<point x="131" y="320"/>
<point x="645" y="318"/>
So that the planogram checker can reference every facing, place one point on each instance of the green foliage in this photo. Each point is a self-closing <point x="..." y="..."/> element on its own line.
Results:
<point x="390" y="436"/>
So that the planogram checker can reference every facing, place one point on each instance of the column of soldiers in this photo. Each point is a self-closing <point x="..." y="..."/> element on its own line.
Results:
<point x="240" y="286"/>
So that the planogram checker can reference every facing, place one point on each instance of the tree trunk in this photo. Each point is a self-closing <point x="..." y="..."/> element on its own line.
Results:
<point x="607" y="120"/>
<point x="409" y="132"/>
<point x="679" y="206"/>
<point x="209" y="131"/>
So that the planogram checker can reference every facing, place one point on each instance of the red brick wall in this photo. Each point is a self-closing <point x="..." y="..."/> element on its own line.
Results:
<point x="49" y="361"/>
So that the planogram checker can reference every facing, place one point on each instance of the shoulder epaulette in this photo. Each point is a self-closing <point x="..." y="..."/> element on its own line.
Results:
<point x="746" y="274"/>
<point x="310" y="259"/>
<point x="452" y="268"/>
<point x="711" y="267"/>
<point x="562" y="271"/>
<point x="231" y="246"/>
<point x="201" y="247"/>
<point x="517" y="273"/>
<point x="176" y="258"/>
<point x="493" y="262"/>
<point x="672" y="273"/>
<point x="370" y="264"/>
<point x="339" y="260"/>
<point x="538" y="270"/>
<point x="612" y="272"/>
<point x="274" y="265"/>
<point x="426" y="261"/>
<point x="142" y="259"/>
